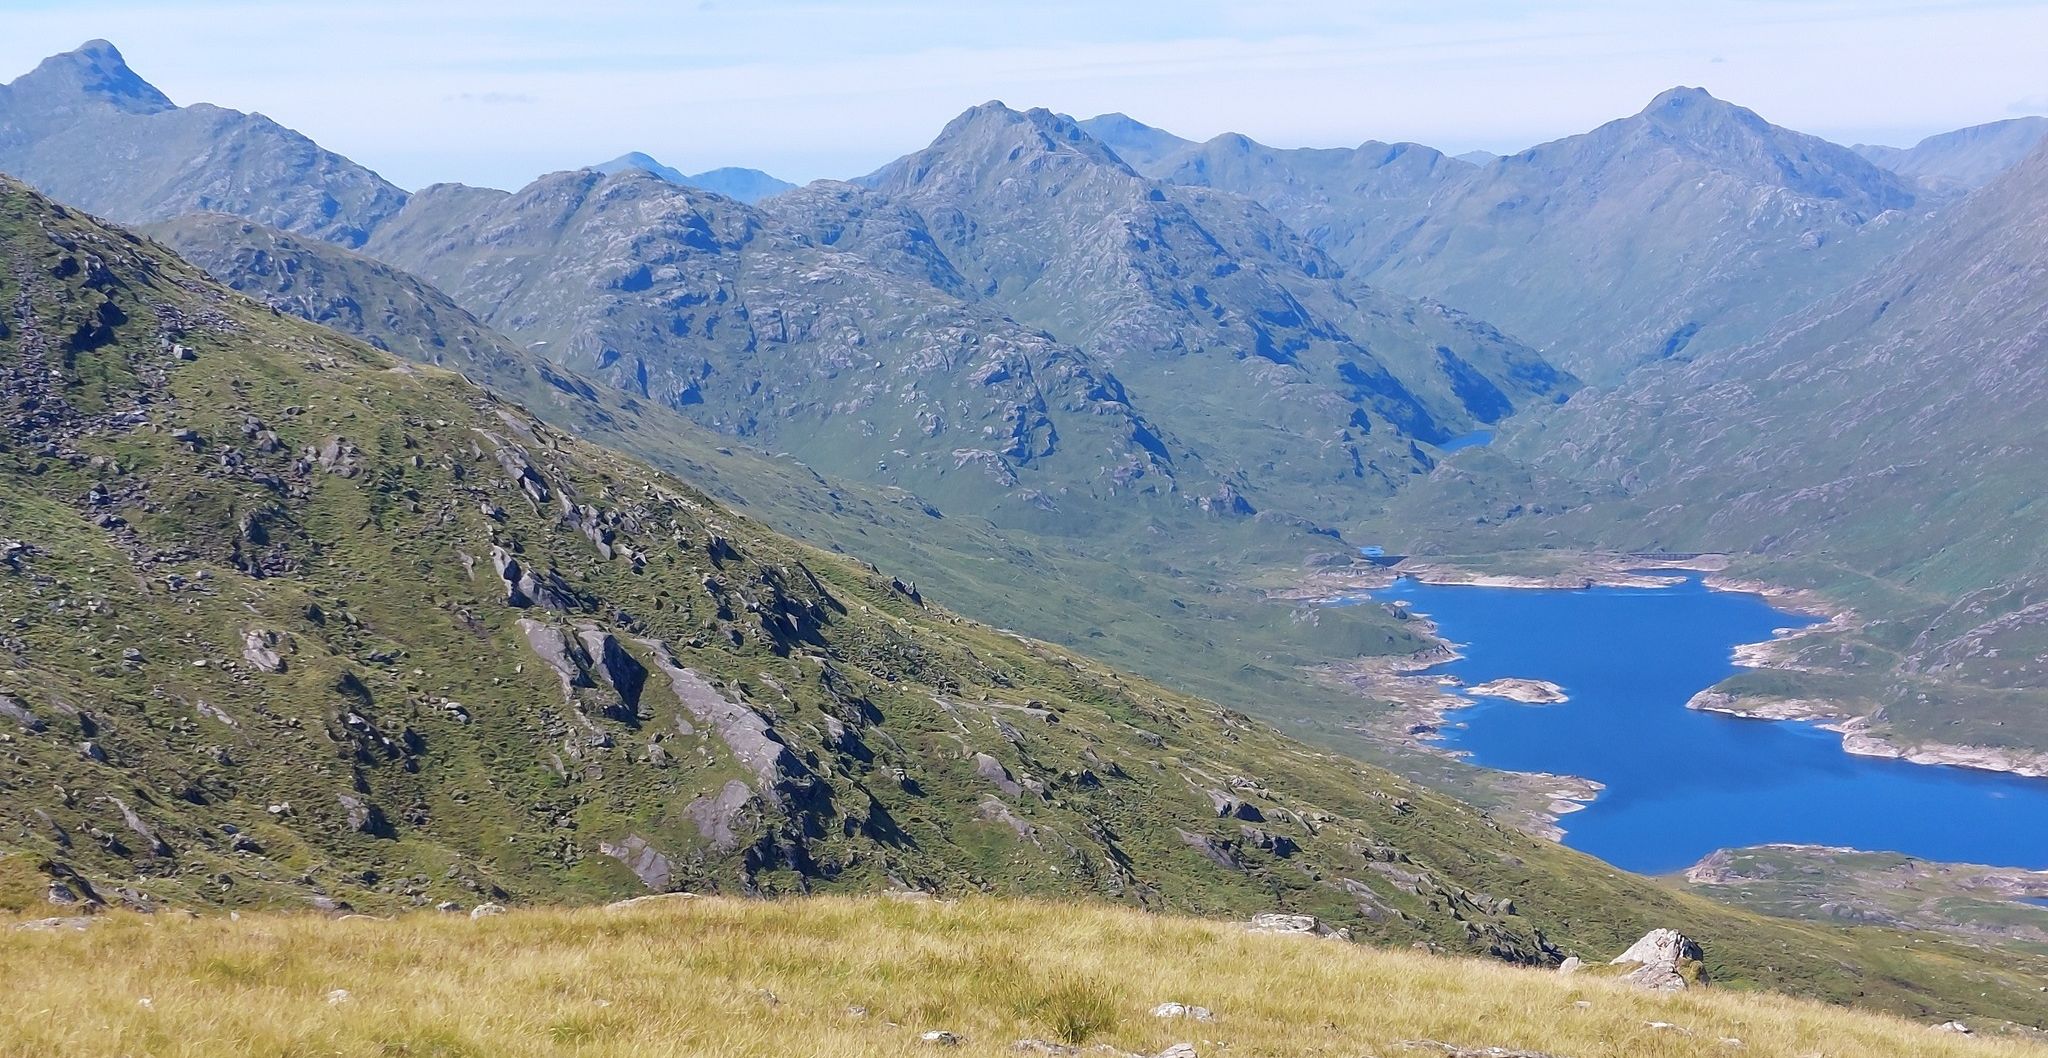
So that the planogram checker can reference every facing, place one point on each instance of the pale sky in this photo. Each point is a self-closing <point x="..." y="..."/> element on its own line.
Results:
<point x="495" y="92"/>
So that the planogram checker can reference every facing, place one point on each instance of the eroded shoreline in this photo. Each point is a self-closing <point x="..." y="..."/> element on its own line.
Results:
<point x="1421" y="702"/>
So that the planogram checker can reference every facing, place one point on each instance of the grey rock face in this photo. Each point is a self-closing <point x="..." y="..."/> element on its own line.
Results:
<point x="1297" y="925"/>
<point x="1965" y="159"/>
<point x="1692" y="224"/>
<point x="259" y="649"/>
<point x="1664" y="960"/>
<point x="618" y="669"/>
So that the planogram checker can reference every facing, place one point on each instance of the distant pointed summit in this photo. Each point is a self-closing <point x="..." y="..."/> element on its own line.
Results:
<point x="84" y="128"/>
<point x="1147" y="149"/>
<point x="746" y="185"/>
<point x="993" y="138"/>
<point x="95" y="69"/>
<point x="643" y="162"/>
<point x="1679" y="98"/>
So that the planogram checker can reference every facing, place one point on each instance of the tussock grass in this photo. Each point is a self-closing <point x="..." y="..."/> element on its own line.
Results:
<point x="846" y="977"/>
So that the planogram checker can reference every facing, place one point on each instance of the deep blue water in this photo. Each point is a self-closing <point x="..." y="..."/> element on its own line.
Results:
<point x="2040" y="901"/>
<point x="1469" y="440"/>
<point x="1680" y="782"/>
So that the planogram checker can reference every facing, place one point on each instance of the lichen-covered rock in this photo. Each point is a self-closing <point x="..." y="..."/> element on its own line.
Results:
<point x="1664" y="960"/>
<point x="259" y="649"/>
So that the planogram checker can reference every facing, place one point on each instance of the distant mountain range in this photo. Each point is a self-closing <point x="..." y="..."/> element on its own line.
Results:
<point x="1966" y="158"/>
<point x="832" y="328"/>
<point x="1085" y="379"/>
<point x="83" y="127"/>
<point x="361" y="636"/>
<point x="1882" y="445"/>
<point x="1692" y="223"/>
<point x="1040" y="352"/>
<point x="746" y="185"/>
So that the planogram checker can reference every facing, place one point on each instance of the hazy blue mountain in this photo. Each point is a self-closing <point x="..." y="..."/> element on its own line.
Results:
<point x="746" y="185"/>
<point x="1966" y="158"/>
<point x="1347" y="200"/>
<point x="1477" y="157"/>
<point x="1692" y="223"/>
<point x="646" y="163"/>
<point x="86" y="129"/>
<point x="1142" y="147"/>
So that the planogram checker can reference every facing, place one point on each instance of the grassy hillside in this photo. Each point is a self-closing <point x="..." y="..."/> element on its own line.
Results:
<point x="851" y="977"/>
<point x="289" y="622"/>
<point x="1184" y="619"/>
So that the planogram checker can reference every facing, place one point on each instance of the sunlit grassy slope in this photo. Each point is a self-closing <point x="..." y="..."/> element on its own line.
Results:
<point x="835" y="976"/>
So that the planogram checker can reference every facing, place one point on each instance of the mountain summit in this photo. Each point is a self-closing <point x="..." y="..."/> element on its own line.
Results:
<point x="1694" y="222"/>
<point x="86" y="129"/>
<point x="745" y="185"/>
<point x="94" y="69"/>
<point x="993" y="138"/>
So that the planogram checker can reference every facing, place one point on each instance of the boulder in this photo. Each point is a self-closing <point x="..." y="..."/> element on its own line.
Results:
<point x="46" y="925"/>
<point x="1665" y="960"/>
<point x="618" y="669"/>
<point x="486" y="911"/>
<point x="993" y="771"/>
<point x="259" y="649"/>
<point x="12" y="709"/>
<point x="1182" y="1010"/>
<point x="1295" y="925"/>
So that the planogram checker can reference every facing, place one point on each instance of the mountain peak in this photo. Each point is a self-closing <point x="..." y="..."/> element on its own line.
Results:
<point x="995" y="137"/>
<point x="643" y="162"/>
<point x="1146" y="148"/>
<point x="1680" y="98"/>
<point x="96" y="68"/>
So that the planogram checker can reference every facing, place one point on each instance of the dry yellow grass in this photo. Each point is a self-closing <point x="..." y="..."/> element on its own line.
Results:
<point x="740" y="978"/>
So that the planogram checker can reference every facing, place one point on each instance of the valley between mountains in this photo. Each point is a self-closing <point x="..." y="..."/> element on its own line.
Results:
<point x="1026" y="517"/>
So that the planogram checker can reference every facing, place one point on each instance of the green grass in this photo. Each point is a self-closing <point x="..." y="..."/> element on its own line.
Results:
<point x="853" y="977"/>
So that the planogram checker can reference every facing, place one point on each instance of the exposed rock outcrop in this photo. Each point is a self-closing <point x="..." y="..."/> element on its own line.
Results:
<point x="1297" y="925"/>
<point x="1664" y="960"/>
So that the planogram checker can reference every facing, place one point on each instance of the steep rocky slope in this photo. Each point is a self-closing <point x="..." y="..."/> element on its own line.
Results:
<point x="763" y="331"/>
<point x="290" y="620"/>
<point x="1231" y="645"/>
<point x="1314" y="391"/>
<point x="1692" y="224"/>
<point x="1883" y="446"/>
<point x="85" y="128"/>
<point x="1350" y="201"/>
<point x="1965" y="159"/>
<point x="317" y="281"/>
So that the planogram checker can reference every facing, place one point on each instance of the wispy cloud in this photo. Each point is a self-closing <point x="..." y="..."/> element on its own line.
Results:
<point x="492" y="99"/>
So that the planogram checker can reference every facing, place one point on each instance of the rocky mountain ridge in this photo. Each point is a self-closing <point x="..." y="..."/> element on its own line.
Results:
<point x="84" y="127"/>
<point x="380" y="639"/>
